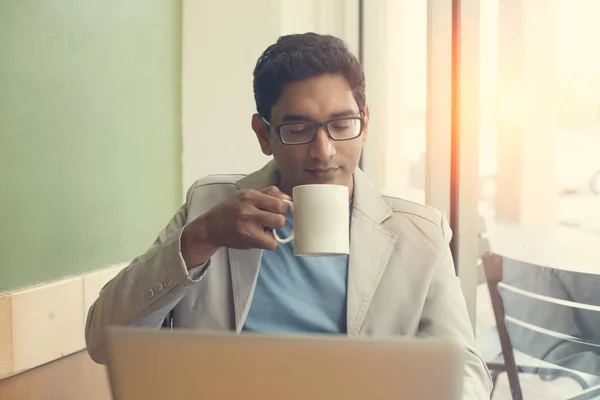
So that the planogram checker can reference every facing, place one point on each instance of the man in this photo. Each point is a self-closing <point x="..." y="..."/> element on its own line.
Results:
<point x="217" y="265"/>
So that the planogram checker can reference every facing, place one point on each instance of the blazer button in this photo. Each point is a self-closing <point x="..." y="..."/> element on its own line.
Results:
<point x="168" y="282"/>
<point x="149" y="293"/>
<point x="159" y="288"/>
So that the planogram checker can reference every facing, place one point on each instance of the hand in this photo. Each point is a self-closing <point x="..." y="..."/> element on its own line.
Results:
<point x="240" y="222"/>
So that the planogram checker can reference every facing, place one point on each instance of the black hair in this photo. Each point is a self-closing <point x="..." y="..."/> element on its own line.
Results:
<point x="301" y="56"/>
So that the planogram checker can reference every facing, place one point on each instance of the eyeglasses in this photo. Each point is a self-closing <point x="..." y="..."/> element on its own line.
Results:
<point x="338" y="129"/>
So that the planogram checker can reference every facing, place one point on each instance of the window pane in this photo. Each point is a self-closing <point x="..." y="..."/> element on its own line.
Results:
<point x="395" y="60"/>
<point x="540" y="194"/>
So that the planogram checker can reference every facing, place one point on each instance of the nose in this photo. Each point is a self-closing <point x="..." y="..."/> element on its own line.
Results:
<point x="322" y="147"/>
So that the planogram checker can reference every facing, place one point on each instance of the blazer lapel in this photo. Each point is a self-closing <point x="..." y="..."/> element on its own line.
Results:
<point x="370" y="249"/>
<point x="245" y="264"/>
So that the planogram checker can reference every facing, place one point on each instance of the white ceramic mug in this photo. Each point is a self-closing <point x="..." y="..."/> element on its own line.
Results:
<point x="321" y="220"/>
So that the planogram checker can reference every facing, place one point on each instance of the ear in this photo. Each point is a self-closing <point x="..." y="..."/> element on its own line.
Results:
<point x="366" y="125"/>
<point x="262" y="134"/>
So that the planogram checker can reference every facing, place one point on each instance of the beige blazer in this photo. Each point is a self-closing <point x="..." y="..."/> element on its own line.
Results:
<point x="401" y="278"/>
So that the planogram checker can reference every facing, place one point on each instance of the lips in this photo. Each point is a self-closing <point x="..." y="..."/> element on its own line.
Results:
<point x="323" y="173"/>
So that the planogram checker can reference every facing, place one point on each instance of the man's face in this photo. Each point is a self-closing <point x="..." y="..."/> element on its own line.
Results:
<point x="322" y="160"/>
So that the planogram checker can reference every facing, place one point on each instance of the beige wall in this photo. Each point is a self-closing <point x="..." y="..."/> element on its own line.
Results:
<point x="220" y="48"/>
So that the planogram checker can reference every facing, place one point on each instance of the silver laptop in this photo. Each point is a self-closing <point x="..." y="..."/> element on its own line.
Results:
<point x="159" y="365"/>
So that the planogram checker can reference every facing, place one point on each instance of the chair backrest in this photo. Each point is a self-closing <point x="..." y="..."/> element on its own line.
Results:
<point x="549" y="314"/>
<point x="493" y="268"/>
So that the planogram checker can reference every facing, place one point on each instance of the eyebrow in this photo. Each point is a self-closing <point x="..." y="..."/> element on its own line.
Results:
<point x="300" y="117"/>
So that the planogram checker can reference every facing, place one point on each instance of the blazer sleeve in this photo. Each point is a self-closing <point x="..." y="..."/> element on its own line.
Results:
<point x="445" y="316"/>
<point x="145" y="292"/>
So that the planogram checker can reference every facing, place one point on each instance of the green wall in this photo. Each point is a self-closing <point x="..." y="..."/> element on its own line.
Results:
<point x="90" y="137"/>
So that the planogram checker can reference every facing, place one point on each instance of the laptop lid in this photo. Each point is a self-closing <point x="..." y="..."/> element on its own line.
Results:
<point x="186" y="364"/>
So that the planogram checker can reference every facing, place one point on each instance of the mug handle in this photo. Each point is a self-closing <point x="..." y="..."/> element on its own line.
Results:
<point x="289" y="238"/>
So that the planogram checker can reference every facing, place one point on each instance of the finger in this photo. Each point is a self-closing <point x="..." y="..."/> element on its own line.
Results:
<point x="271" y="220"/>
<point x="267" y="219"/>
<point x="265" y="240"/>
<point x="269" y="203"/>
<point x="275" y="192"/>
<point x="259" y="238"/>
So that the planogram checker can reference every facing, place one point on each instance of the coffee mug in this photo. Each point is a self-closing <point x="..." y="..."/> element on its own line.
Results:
<point x="321" y="220"/>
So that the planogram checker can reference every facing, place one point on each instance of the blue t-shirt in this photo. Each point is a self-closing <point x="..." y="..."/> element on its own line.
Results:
<point x="299" y="294"/>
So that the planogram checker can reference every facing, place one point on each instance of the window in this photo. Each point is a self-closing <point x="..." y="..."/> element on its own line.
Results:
<point x="539" y="198"/>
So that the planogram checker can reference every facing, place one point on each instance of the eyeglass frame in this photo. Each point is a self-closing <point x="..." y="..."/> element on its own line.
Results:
<point x="317" y="125"/>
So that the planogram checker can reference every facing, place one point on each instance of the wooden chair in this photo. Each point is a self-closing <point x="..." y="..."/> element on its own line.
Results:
<point x="513" y="362"/>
